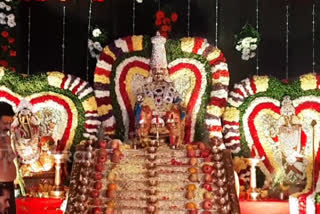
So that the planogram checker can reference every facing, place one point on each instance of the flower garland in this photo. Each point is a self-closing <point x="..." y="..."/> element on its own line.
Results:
<point x="97" y="40"/>
<point x="7" y="38"/>
<point x="202" y="65"/>
<point x="60" y="91"/>
<point x="164" y="23"/>
<point x="247" y="41"/>
<point x="259" y="94"/>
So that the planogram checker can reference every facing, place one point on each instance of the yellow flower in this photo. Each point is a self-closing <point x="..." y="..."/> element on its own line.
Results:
<point x="55" y="78"/>
<point x="262" y="83"/>
<point x="187" y="44"/>
<point x="231" y="114"/>
<point x="214" y="54"/>
<point x="1" y="72"/>
<point x="90" y="104"/>
<point x="137" y="42"/>
<point x="104" y="109"/>
<point x="308" y="82"/>
<point x="239" y="164"/>
<point x="214" y="110"/>
<point x="108" y="52"/>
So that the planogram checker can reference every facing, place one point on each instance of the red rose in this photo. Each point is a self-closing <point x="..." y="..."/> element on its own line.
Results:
<point x="166" y="21"/>
<point x="164" y="28"/>
<point x="11" y="40"/>
<point x="4" y="63"/>
<point x="174" y="17"/>
<point x="160" y="14"/>
<point x="13" y="53"/>
<point x="158" y="22"/>
<point x="4" y="48"/>
<point x="164" y="34"/>
<point x="4" y="34"/>
<point x="13" y="69"/>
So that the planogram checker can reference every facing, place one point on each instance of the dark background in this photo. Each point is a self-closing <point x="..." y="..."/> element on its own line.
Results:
<point x="116" y="17"/>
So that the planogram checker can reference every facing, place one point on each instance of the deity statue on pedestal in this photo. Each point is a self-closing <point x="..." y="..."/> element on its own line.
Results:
<point x="158" y="107"/>
<point x="33" y="152"/>
<point x="290" y="144"/>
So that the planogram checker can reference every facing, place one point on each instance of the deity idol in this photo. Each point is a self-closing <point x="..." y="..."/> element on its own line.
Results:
<point x="290" y="143"/>
<point x="26" y="140"/>
<point x="158" y="108"/>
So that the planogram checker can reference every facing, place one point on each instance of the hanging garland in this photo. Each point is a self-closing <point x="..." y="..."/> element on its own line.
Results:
<point x="190" y="57"/>
<point x="70" y="92"/>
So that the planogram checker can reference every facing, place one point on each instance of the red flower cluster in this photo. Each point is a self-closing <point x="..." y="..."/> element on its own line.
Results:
<point x="7" y="48"/>
<point x="164" y="23"/>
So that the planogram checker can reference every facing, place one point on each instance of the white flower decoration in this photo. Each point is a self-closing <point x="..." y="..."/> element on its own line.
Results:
<point x="2" y="21"/>
<point x="245" y="51"/>
<point x="239" y="47"/>
<point x="140" y="1"/>
<point x="253" y="46"/>
<point x="8" y="0"/>
<point x="2" y="5"/>
<point x="245" y="57"/>
<point x="2" y="15"/>
<point x="97" y="45"/>
<point x="8" y="8"/>
<point x="11" y="23"/>
<point x="96" y="32"/>
<point x="10" y="16"/>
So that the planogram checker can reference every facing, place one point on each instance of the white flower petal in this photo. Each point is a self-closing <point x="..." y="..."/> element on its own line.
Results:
<point x="96" y="32"/>
<point x="253" y="46"/>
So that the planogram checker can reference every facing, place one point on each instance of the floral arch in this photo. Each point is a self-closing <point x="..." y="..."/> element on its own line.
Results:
<point x="253" y="105"/>
<point x="197" y="68"/>
<point x="68" y="95"/>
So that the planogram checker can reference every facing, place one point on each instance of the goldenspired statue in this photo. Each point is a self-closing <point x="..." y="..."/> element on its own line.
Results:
<point x="32" y="156"/>
<point x="158" y="107"/>
<point x="290" y="143"/>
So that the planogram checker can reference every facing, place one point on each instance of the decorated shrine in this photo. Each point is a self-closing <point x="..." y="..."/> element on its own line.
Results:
<point x="159" y="107"/>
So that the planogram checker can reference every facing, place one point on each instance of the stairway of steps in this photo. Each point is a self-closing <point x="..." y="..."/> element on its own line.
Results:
<point x="153" y="180"/>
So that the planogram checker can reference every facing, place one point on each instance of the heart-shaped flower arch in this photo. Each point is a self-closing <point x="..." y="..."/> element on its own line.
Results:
<point x="197" y="68"/>
<point x="71" y="96"/>
<point x="243" y="125"/>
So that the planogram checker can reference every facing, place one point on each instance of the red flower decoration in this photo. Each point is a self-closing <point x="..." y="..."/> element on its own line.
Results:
<point x="164" y="34"/>
<point x="4" y="34"/>
<point x="11" y="40"/>
<point x="98" y="0"/>
<point x="158" y="22"/>
<point x="166" y="21"/>
<point x="13" y="53"/>
<point x="13" y="69"/>
<point x="174" y="17"/>
<point x="164" y="28"/>
<point x="4" y="63"/>
<point x="160" y="14"/>
<point x="4" y="48"/>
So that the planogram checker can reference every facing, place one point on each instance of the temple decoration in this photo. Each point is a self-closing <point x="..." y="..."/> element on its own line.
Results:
<point x="157" y="167"/>
<point x="54" y="111"/>
<point x="197" y="69"/>
<point x="279" y="121"/>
